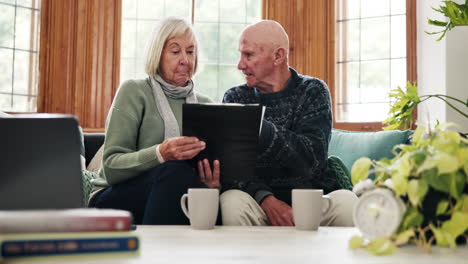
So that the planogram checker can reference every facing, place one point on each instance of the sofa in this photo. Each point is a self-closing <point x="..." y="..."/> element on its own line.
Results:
<point x="347" y="145"/>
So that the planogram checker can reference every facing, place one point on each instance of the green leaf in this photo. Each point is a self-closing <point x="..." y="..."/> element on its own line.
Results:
<point x="445" y="163"/>
<point x="401" y="170"/>
<point x="381" y="246"/>
<point x="442" y="207"/>
<point x="462" y="155"/>
<point x="400" y="113"/>
<point x="418" y="134"/>
<point x="412" y="218"/>
<point x="407" y="148"/>
<point x="457" y="225"/>
<point x="443" y="238"/>
<point x="404" y="237"/>
<point x="457" y="14"/>
<point x="360" y="170"/>
<point x="412" y="91"/>
<point x="447" y="141"/>
<point x="428" y="164"/>
<point x="456" y="184"/>
<point x="417" y="189"/>
<point x="356" y="242"/>
<point x="451" y="137"/>
<point x="400" y="183"/>
<point x="392" y="127"/>
<point x="436" y="181"/>
<point x="465" y="169"/>
<point x="437" y="23"/>
<point x="403" y="165"/>
<point x="418" y="157"/>
<point x="462" y="204"/>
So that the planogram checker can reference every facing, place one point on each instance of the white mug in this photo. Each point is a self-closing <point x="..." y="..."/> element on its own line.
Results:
<point x="308" y="208"/>
<point x="202" y="208"/>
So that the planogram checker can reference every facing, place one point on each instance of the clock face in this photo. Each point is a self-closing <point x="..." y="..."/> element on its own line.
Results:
<point x="378" y="213"/>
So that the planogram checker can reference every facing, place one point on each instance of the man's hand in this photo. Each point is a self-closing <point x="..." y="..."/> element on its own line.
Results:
<point x="208" y="177"/>
<point x="180" y="148"/>
<point x="279" y="213"/>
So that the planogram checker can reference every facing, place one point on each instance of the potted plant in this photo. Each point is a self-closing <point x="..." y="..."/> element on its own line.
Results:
<point x="430" y="176"/>
<point x="405" y="102"/>
<point x="456" y="13"/>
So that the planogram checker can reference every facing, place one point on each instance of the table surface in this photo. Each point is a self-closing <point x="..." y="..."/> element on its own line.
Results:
<point x="181" y="244"/>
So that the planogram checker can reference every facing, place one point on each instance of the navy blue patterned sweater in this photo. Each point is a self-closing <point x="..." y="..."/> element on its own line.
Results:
<point x="296" y="130"/>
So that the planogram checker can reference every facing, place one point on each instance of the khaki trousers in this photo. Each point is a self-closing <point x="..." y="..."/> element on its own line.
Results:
<point x="240" y="209"/>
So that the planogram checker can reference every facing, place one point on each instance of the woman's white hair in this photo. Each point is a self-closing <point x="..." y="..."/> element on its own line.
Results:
<point x="168" y="28"/>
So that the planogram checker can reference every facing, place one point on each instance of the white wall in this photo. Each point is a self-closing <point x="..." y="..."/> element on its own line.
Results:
<point x="457" y="73"/>
<point x="442" y="67"/>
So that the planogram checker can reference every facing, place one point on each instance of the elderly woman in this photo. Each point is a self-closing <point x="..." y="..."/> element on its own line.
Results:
<point x="145" y="168"/>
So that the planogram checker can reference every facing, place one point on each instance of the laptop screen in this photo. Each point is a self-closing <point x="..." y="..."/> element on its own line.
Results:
<point x="40" y="162"/>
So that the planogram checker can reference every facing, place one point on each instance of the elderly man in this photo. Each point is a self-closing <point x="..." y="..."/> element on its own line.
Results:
<point x="293" y="145"/>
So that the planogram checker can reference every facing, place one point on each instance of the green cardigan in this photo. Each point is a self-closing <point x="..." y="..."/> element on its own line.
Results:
<point x="134" y="128"/>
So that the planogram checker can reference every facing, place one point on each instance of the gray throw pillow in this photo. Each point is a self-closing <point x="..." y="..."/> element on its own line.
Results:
<point x="96" y="163"/>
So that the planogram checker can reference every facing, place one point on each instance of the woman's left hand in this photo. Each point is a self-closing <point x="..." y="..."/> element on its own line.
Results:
<point x="208" y="177"/>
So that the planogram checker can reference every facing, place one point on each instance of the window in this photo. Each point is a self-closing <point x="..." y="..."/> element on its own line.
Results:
<point x="371" y="57"/>
<point x="19" y="39"/>
<point x="218" y="24"/>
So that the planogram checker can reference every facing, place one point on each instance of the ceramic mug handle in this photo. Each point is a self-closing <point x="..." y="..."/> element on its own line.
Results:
<point x="329" y="203"/>
<point x="183" y="205"/>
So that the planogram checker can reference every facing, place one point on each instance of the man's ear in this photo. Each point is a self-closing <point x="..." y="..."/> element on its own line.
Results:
<point x="279" y="56"/>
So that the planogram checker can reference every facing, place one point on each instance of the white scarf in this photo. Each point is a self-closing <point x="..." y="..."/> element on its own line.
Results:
<point x="161" y="91"/>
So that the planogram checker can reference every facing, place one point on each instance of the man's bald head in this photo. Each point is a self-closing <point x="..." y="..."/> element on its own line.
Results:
<point x="264" y="49"/>
<point x="267" y="34"/>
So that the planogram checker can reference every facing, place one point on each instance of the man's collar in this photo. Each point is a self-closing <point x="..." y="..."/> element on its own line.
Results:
<point x="293" y="80"/>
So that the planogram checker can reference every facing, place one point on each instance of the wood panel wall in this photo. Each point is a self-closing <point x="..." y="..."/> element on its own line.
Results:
<point x="79" y="58"/>
<point x="310" y="26"/>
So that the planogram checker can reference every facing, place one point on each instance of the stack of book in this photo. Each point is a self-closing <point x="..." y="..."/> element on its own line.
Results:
<point x="40" y="234"/>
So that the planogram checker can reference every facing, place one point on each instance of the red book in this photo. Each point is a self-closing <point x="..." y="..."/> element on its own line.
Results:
<point x="71" y="220"/>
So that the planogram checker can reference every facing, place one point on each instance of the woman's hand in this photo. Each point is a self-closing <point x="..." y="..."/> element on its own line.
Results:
<point x="208" y="177"/>
<point x="181" y="148"/>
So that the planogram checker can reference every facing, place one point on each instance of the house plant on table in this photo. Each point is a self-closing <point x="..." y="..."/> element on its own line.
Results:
<point x="430" y="176"/>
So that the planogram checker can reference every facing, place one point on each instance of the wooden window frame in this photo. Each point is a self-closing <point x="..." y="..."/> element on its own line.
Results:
<point x="311" y="29"/>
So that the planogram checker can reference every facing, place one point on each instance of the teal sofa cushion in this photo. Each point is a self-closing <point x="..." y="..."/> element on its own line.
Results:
<point x="350" y="145"/>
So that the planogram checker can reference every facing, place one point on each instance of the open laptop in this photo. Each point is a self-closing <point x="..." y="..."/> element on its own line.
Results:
<point x="40" y="162"/>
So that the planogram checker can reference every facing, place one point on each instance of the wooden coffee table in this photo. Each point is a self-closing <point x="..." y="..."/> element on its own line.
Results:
<point x="181" y="244"/>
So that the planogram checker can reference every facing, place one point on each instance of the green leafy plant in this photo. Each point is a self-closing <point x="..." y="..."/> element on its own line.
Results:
<point x="431" y="177"/>
<point x="401" y="111"/>
<point x="457" y="14"/>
